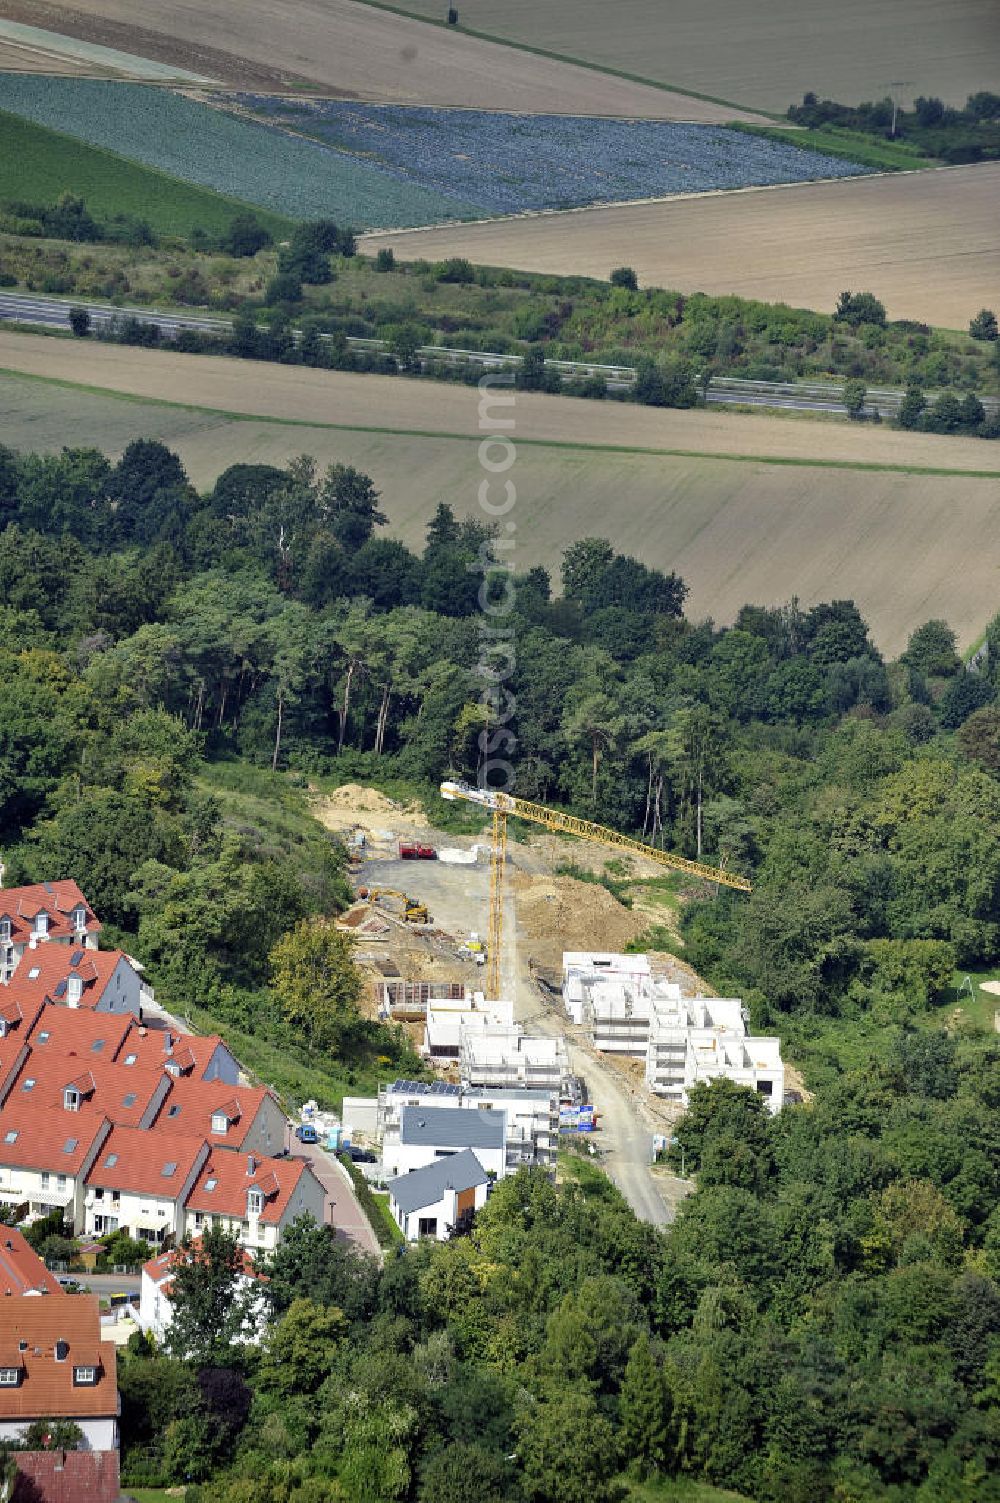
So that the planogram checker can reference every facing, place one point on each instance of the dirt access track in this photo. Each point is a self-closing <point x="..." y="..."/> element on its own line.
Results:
<point x="353" y="51"/>
<point x="926" y="243"/>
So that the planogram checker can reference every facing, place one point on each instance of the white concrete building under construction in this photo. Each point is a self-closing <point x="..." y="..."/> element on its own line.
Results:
<point x="683" y="1039"/>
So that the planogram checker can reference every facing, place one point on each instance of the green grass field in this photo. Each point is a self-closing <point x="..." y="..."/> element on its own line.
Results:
<point x="848" y="145"/>
<point x="38" y="164"/>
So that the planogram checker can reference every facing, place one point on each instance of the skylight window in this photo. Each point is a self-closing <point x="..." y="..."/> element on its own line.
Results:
<point x="130" y="1059"/>
<point x="11" y="1137"/>
<point x="70" y="1145"/>
<point x="111" y="1161"/>
<point x="174" y="1111"/>
<point x="34" y="973"/>
<point x="29" y="1084"/>
<point x="97" y="1046"/>
<point x="210" y="1184"/>
<point x="168" y="1169"/>
<point x="43" y="1037"/>
<point x="130" y="1099"/>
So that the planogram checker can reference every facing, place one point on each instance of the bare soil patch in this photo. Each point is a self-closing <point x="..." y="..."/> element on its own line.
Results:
<point x="925" y="243"/>
<point x="356" y="52"/>
<point x="763" y="53"/>
<point x="561" y="913"/>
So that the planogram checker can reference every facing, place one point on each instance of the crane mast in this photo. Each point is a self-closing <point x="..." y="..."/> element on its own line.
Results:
<point x="504" y="805"/>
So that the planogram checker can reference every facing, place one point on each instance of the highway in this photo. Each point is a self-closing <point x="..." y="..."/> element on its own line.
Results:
<point x="723" y="391"/>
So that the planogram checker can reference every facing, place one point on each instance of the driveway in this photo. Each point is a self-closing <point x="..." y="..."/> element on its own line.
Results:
<point x="342" y="1209"/>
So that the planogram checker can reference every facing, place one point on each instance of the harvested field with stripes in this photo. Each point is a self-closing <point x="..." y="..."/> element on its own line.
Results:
<point x="778" y="517"/>
<point x="925" y="243"/>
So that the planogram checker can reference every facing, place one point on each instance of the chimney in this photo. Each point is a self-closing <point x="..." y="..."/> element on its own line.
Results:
<point x="62" y="1350"/>
<point x="251" y="1165"/>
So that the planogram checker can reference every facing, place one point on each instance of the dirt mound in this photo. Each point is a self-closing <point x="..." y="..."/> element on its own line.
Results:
<point x="353" y="805"/>
<point x="561" y="913"/>
<point x="357" y="799"/>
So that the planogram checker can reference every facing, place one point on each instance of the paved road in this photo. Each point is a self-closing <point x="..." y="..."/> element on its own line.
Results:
<point x="342" y="1208"/>
<point x="106" y="1283"/>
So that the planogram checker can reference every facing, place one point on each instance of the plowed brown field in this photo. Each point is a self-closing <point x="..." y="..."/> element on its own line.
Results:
<point x="357" y="52"/>
<point x="925" y="243"/>
<point x="763" y="53"/>
<point x="906" y="546"/>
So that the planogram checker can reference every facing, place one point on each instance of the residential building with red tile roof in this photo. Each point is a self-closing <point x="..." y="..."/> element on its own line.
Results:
<point x="44" y="1159"/>
<point x="45" y="912"/>
<point x="245" y="1118"/>
<point x="66" y="1477"/>
<point x="75" y="977"/>
<point x="255" y="1199"/>
<point x="184" y="1055"/>
<point x="54" y="1365"/>
<point x="140" y="1183"/>
<point x="21" y="1269"/>
<point x="127" y="1095"/>
<point x="67" y="1030"/>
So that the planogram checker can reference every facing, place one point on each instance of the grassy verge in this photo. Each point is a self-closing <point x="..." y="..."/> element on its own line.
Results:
<point x="38" y="164"/>
<point x="375" y="1207"/>
<point x="845" y="145"/>
<point x="575" y="1167"/>
<point x="977" y="1006"/>
<point x="677" y="1490"/>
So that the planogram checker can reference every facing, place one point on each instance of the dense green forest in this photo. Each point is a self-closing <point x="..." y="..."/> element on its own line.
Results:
<point x="823" y="1321"/>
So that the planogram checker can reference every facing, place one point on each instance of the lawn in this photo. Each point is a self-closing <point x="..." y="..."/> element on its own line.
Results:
<point x="678" y="1490"/>
<point x="852" y="146"/>
<point x="967" y="995"/>
<point x="38" y="164"/>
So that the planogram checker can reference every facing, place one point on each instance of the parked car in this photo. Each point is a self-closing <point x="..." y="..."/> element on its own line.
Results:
<point x="362" y="1156"/>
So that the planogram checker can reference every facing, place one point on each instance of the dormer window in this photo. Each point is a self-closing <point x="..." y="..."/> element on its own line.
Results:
<point x="79" y="919"/>
<point x="220" y="1122"/>
<point x="10" y="1377"/>
<point x="84" y="1375"/>
<point x="71" y="1099"/>
<point x="255" y="1202"/>
<point x="74" y="989"/>
<point x="5" y="931"/>
<point x="41" y="923"/>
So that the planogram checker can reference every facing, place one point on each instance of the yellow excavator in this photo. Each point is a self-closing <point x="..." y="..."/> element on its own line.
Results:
<point x="505" y="805"/>
<point x="413" y="912"/>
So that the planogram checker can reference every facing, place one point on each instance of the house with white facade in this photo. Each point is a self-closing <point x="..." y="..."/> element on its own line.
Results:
<point x="45" y="1158"/>
<point x="140" y="1182"/>
<point x="40" y="914"/>
<point x="428" y="1133"/>
<point x="254" y="1199"/>
<point x="54" y="1365"/>
<point x="156" y="1311"/>
<point x="435" y="1200"/>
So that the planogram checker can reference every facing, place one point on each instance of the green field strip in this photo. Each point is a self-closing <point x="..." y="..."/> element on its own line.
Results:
<point x="572" y="445"/>
<point x="565" y="57"/>
<point x="884" y="156"/>
<point x="38" y="163"/>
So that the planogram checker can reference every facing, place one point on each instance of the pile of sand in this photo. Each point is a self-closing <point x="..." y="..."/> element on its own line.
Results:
<point x="561" y="913"/>
<point x="356" y="799"/>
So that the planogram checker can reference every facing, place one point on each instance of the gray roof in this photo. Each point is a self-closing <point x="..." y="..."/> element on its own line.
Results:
<point x="450" y="1127"/>
<point x="425" y="1187"/>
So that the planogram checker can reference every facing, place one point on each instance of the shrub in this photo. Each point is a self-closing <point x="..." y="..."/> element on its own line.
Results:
<point x="624" y="276"/>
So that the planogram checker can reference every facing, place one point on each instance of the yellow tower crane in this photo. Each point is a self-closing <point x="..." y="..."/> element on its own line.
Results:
<point x="504" y="805"/>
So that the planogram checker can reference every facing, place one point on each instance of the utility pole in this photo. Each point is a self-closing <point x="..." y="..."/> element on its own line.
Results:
<point x="900" y="83"/>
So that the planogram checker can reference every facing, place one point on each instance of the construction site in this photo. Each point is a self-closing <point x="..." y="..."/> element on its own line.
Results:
<point x="513" y="978"/>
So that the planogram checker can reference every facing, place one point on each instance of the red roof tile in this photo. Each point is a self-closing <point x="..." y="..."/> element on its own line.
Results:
<point x="161" y="1268"/>
<point x="32" y="1137"/>
<point x="137" y="1161"/>
<point x="221" y="1187"/>
<point x="57" y="899"/>
<point x="21" y="1269"/>
<point x="46" y="1389"/>
<point x="43" y="975"/>
<point x="192" y="1104"/>
<point x="120" y="1092"/>
<point x="66" y="1477"/>
<point x="71" y="1030"/>
<point x="161" y="1046"/>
